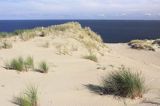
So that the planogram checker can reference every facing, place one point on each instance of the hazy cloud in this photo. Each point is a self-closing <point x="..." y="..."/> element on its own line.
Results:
<point x="80" y="9"/>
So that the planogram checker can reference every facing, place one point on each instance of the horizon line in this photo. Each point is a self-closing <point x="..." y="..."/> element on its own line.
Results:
<point x="83" y="19"/>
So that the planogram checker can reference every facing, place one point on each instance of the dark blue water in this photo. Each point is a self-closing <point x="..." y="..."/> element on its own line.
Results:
<point x="110" y="30"/>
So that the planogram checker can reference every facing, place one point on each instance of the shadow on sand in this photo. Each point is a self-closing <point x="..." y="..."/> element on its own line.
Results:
<point x="99" y="89"/>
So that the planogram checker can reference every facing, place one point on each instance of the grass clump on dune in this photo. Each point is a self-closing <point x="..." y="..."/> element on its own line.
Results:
<point x="21" y="64"/>
<point x="28" y="98"/>
<point x="16" y="64"/>
<point x="29" y="63"/>
<point x="124" y="83"/>
<point x="43" y="67"/>
<point x="141" y="45"/>
<point x="91" y="57"/>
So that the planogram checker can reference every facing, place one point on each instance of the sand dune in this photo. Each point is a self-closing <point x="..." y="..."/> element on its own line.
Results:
<point x="66" y="83"/>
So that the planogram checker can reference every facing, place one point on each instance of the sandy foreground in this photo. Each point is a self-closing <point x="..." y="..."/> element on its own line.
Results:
<point x="68" y="77"/>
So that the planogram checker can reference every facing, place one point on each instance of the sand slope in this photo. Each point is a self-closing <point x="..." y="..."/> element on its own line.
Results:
<point x="69" y="77"/>
<point x="64" y="85"/>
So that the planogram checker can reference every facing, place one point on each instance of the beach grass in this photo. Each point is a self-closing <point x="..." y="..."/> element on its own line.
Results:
<point x="29" y="63"/>
<point x="43" y="67"/>
<point x="91" y="57"/>
<point x="21" y="64"/>
<point x="28" y="98"/>
<point x="17" y="64"/>
<point x="73" y="30"/>
<point x="124" y="83"/>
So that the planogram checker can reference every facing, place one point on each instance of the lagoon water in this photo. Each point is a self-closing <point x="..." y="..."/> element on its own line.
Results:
<point x="112" y="31"/>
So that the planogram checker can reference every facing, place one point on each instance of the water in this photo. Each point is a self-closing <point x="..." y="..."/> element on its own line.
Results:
<point x="112" y="31"/>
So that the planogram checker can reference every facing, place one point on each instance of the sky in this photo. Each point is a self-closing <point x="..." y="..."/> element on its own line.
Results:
<point x="80" y="9"/>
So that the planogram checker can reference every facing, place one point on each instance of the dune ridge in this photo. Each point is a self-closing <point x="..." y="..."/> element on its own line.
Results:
<point x="73" y="37"/>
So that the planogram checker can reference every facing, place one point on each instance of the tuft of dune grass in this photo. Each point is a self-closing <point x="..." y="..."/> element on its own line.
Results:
<point x="91" y="57"/>
<point x="28" y="98"/>
<point x="43" y="67"/>
<point x="17" y="64"/>
<point x="124" y="83"/>
<point x="29" y="63"/>
<point x="21" y="64"/>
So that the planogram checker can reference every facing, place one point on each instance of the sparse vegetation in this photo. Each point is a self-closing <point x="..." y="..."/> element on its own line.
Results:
<point x="28" y="98"/>
<point x="70" y="31"/>
<point x="93" y="35"/>
<point x="67" y="26"/>
<point x="20" y="64"/>
<point x="91" y="57"/>
<point x="141" y="44"/>
<point x="29" y="63"/>
<point x="5" y="45"/>
<point x="16" y="64"/>
<point x="43" y="67"/>
<point x="124" y="83"/>
<point x="62" y="50"/>
<point x="85" y="36"/>
<point x="4" y="34"/>
<point x="28" y="34"/>
<point x="18" y="32"/>
<point x="90" y="45"/>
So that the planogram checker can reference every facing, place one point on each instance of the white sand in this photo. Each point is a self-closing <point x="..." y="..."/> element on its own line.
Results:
<point x="65" y="84"/>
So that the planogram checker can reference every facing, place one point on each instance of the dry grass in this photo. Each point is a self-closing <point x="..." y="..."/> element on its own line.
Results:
<point x="67" y="26"/>
<point x="141" y="44"/>
<point x="62" y="50"/>
<point x="5" y="44"/>
<point x="88" y="39"/>
<point x="91" y="57"/>
<point x="26" y="35"/>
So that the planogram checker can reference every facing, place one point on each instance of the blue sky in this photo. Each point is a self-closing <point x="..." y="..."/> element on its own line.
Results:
<point x="80" y="9"/>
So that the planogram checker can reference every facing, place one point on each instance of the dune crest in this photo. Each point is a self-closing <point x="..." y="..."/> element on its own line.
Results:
<point x="66" y="38"/>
